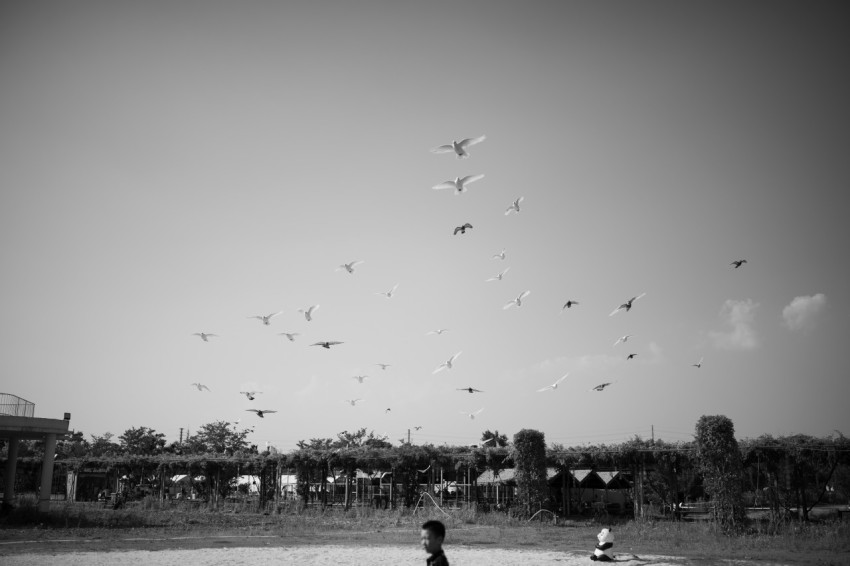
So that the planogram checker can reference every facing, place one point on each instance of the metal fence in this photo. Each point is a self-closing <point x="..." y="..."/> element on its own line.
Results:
<point x="15" y="406"/>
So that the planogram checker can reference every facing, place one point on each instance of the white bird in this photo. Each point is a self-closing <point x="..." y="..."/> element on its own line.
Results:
<point x="349" y="267"/>
<point x="250" y="394"/>
<point x="308" y="313"/>
<point x="514" y="207"/>
<point x="447" y="364"/>
<point x="360" y="378"/>
<point x="204" y="336"/>
<point x="266" y="319"/>
<point x="698" y="364"/>
<point x="471" y="415"/>
<point x="623" y="338"/>
<point x="499" y="276"/>
<point x="290" y="335"/>
<point x="500" y="255"/>
<point x="201" y="387"/>
<point x="627" y="306"/>
<point x="459" y="147"/>
<point x="517" y="301"/>
<point x="438" y="331"/>
<point x="554" y="385"/>
<point x="353" y="402"/>
<point x="459" y="184"/>
<point x="425" y="470"/>
<point x="389" y="294"/>
<point x="260" y="412"/>
<point x="383" y="366"/>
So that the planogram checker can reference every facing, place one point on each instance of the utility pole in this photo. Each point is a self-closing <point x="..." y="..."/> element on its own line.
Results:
<point x="408" y="436"/>
<point x="181" y="435"/>
<point x="653" y="435"/>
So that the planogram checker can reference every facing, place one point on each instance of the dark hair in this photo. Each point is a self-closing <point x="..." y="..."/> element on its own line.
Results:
<point x="436" y="527"/>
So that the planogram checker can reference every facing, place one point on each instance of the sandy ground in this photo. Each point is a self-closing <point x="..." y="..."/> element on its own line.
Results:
<point x="321" y="555"/>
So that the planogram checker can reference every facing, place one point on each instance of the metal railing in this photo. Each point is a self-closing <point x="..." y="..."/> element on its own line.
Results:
<point x="15" y="406"/>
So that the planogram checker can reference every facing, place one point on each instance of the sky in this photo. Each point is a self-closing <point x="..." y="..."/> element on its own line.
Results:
<point x="171" y="168"/>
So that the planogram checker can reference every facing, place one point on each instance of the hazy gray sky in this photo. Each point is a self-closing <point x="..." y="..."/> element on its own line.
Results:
<point x="169" y="168"/>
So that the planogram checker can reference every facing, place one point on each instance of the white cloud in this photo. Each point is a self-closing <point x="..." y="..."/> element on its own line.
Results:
<point x="799" y="313"/>
<point x="739" y="316"/>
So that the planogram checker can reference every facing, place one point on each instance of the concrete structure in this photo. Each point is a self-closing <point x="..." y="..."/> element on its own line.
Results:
<point x="18" y="423"/>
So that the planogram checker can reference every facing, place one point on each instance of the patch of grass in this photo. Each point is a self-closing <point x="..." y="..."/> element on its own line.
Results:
<point x="800" y="543"/>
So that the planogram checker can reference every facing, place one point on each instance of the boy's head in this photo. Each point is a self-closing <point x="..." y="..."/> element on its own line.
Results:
<point x="433" y="533"/>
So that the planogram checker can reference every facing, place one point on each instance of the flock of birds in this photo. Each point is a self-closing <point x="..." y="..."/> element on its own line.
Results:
<point x="457" y="185"/>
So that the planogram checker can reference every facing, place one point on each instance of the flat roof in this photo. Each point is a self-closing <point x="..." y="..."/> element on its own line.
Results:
<point x="31" y="428"/>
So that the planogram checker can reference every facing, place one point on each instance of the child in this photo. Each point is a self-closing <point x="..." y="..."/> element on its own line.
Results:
<point x="433" y="534"/>
<point x="603" y="553"/>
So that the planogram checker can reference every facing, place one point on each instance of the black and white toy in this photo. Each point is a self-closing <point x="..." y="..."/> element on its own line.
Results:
<point x="602" y="552"/>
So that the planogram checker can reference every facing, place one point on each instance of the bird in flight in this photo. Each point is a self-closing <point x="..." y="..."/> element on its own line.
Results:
<point x="349" y="267"/>
<point x="425" y="470"/>
<point x="250" y="394"/>
<point x="514" y="207"/>
<point x="353" y="402"/>
<point x="500" y="255"/>
<point x="623" y="338"/>
<point x="738" y="263"/>
<point x="308" y="313"/>
<point x="459" y="184"/>
<point x="260" y="413"/>
<point x="459" y="147"/>
<point x="266" y="319"/>
<point x="554" y="385"/>
<point x="327" y="345"/>
<point x="472" y="415"/>
<point x="627" y="306"/>
<point x="389" y="294"/>
<point x="469" y="389"/>
<point x="569" y="304"/>
<point x="517" y="301"/>
<point x="201" y="387"/>
<point x="601" y="386"/>
<point x="698" y="364"/>
<point x="462" y="229"/>
<point x="204" y="336"/>
<point x="417" y="428"/>
<point x="631" y="356"/>
<point x="387" y="410"/>
<point x="438" y="331"/>
<point x="360" y="378"/>
<point x="447" y="364"/>
<point x="290" y="335"/>
<point x="383" y="366"/>
<point x="499" y="276"/>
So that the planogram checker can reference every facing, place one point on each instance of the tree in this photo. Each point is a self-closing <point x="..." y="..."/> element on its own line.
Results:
<point x="497" y="439"/>
<point x="142" y="440"/>
<point x="719" y="461"/>
<point x="102" y="445"/>
<point x="529" y="456"/>
<point x="219" y="437"/>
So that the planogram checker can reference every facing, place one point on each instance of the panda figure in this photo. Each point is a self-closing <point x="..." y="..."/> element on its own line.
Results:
<point x="602" y="552"/>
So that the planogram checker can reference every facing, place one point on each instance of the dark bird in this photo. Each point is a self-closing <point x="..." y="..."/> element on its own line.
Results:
<point x="698" y="364"/>
<point x="201" y="386"/>
<point x="462" y="229"/>
<point x="601" y="386"/>
<point x="326" y="345"/>
<point x="630" y="356"/>
<point x="627" y="306"/>
<point x="569" y="304"/>
<point x="470" y="389"/>
<point x="260" y="413"/>
<point x="738" y="262"/>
